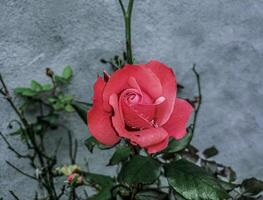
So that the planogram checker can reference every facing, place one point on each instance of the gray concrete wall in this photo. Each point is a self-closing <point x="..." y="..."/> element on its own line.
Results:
<point x="224" y="38"/>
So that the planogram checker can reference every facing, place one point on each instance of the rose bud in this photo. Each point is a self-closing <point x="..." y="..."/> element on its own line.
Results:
<point x="75" y="179"/>
<point x="138" y="103"/>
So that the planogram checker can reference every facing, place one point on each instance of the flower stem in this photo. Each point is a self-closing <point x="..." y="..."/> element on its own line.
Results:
<point x="127" y="14"/>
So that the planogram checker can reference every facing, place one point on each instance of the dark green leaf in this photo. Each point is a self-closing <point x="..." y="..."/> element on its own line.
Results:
<point x="121" y="190"/>
<point x="252" y="186"/>
<point x="97" y="180"/>
<point x="82" y="109"/>
<point x="209" y="166"/>
<point x="192" y="182"/>
<point x="228" y="173"/>
<point x="67" y="73"/>
<point x="227" y="185"/>
<point x="178" y="145"/>
<point x="178" y="196"/>
<point x="210" y="152"/>
<point x="140" y="169"/>
<point x="121" y="154"/>
<point x="50" y="119"/>
<point x="151" y="195"/>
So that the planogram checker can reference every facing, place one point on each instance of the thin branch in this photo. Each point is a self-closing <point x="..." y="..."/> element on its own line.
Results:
<point x="72" y="148"/>
<point x="20" y="171"/>
<point x="199" y="97"/>
<point x="61" y="192"/>
<point x="122" y="8"/>
<point x="14" y="195"/>
<point x="75" y="150"/>
<point x="9" y="146"/>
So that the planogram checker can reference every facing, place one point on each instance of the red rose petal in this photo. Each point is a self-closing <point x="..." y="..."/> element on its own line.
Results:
<point x="158" y="147"/>
<point x="149" y="137"/>
<point x="176" y="125"/>
<point x="168" y="82"/>
<point x="99" y="122"/>
<point x="119" y="81"/>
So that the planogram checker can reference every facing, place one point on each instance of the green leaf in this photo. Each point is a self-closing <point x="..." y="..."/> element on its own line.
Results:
<point x="192" y="182"/>
<point x="210" y="152"/>
<point x="121" y="154"/>
<point x="227" y="185"/>
<point x="50" y="119"/>
<point x="252" y="186"/>
<point x="140" y="169"/>
<point x="67" y="99"/>
<point x="69" y="108"/>
<point x="228" y="173"/>
<point x="178" y="145"/>
<point x="97" y="180"/>
<point x="52" y="99"/>
<point x="46" y="87"/>
<point x="59" y="79"/>
<point x="27" y="92"/>
<point x="82" y="109"/>
<point x="58" y="105"/>
<point x="36" y="86"/>
<point x="67" y="73"/>
<point x="151" y="195"/>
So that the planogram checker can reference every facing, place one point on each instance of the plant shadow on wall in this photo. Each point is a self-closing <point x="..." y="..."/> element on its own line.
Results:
<point x="153" y="150"/>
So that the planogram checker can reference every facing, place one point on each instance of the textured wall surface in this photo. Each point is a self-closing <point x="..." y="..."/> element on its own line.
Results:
<point x="224" y="38"/>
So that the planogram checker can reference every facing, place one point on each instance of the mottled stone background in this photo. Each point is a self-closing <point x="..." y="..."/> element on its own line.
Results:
<point x="224" y="38"/>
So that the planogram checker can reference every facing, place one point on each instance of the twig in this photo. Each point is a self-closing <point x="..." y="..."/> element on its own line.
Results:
<point x="9" y="146"/>
<point x="14" y="195"/>
<point x="72" y="148"/>
<point x="75" y="150"/>
<point x="20" y="171"/>
<point x="122" y="7"/>
<point x="62" y="192"/>
<point x="199" y="96"/>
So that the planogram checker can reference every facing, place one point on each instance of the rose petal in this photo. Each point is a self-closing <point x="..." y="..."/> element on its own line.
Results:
<point x="98" y="88"/>
<point x="176" y="125"/>
<point x="158" y="147"/>
<point x="135" y="119"/>
<point x="149" y="137"/>
<point x="143" y="138"/>
<point x="119" y="81"/>
<point x="117" y="118"/>
<point x="168" y="82"/>
<point x="99" y="122"/>
<point x="100" y="126"/>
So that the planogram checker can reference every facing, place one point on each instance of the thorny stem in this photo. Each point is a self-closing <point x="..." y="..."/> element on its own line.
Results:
<point x="47" y="163"/>
<point x="127" y="14"/>
<point x="199" y="97"/>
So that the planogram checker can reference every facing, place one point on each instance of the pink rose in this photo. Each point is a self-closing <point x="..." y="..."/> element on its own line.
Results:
<point x="138" y="103"/>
